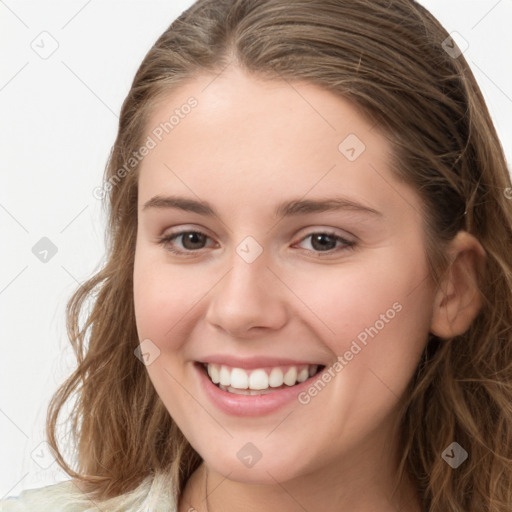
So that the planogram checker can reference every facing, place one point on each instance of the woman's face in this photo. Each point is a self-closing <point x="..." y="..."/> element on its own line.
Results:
<point x="294" y="247"/>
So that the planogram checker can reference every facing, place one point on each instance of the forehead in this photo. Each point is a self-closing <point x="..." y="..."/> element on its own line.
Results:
<point x="237" y="103"/>
<point x="240" y="135"/>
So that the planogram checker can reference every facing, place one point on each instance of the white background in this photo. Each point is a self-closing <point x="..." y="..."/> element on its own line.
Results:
<point x="58" y="123"/>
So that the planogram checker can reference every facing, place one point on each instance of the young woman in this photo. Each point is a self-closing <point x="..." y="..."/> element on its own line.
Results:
<point x="307" y="300"/>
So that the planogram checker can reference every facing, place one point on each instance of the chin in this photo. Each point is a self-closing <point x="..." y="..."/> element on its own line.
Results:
<point x="268" y="470"/>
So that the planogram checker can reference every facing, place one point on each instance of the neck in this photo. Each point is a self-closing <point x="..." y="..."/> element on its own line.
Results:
<point x="361" y="478"/>
<point x="358" y="487"/>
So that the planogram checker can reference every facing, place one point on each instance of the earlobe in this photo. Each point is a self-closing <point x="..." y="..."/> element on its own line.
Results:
<point x="458" y="301"/>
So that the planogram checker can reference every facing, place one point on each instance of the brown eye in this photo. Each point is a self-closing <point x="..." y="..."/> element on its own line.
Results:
<point x="193" y="240"/>
<point x="323" y="242"/>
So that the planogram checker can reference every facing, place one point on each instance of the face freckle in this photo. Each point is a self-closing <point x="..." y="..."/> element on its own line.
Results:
<point x="306" y="248"/>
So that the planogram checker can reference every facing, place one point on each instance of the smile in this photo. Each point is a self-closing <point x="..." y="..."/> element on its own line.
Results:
<point x="259" y="381"/>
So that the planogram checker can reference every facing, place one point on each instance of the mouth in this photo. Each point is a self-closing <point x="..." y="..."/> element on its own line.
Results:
<point x="258" y="381"/>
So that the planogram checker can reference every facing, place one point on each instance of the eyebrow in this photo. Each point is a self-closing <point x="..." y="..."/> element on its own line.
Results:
<point x="286" y="209"/>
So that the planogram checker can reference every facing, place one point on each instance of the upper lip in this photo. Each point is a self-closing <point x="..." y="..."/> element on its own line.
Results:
<point x="249" y="363"/>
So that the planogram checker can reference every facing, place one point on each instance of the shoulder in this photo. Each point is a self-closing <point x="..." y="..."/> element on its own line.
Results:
<point x="152" y="494"/>
<point x="60" y="497"/>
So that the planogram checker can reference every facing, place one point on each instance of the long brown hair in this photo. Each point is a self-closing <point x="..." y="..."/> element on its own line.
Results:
<point x="388" y="58"/>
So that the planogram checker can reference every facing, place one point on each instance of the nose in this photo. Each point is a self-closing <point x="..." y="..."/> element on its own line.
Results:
<point x="248" y="298"/>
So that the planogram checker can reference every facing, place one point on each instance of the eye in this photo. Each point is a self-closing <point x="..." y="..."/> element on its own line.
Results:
<point x="191" y="241"/>
<point x="327" y="242"/>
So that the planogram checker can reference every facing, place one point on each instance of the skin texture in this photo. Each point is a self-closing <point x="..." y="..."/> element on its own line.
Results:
<point x="246" y="147"/>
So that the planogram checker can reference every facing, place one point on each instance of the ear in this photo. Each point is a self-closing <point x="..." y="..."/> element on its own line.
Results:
<point x="457" y="300"/>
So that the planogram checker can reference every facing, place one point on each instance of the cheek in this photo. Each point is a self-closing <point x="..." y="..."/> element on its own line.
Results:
<point x="163" y="296"/>
<point x="164" y="301"/>
<point x="384" y="308"/>
<point x="378" y="325"/>
<point x="169" y="303"/>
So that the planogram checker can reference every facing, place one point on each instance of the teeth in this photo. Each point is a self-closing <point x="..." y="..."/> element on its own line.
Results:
<point x="290" y="377"/>
<point x="214" y="373"/>
<point x="224" y="376"/>
<point x="239" y="379"/>
<point x="275" y="379"/>
<point x="303" y="375"/>
<point x="246" y="391"/>
<point x="258" y="379"/>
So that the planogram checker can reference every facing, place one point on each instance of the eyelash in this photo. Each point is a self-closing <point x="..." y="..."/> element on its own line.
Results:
<point x="348" y="245"/>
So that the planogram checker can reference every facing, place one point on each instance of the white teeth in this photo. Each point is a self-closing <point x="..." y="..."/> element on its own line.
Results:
<point x="214" y="373"/>
<point x="303" y="375"/>
<point x="239" y="379"/>
<point x="258" y="379"/>
<point x="290" y="377"/>
<point x="225" y="376"/>
<point x="275" y="379"/>
<point x="246" y="391"/>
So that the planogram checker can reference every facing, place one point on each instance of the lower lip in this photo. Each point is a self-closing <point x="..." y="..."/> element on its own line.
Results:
<point x="250" y="405"/>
